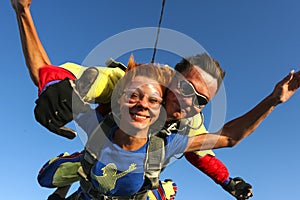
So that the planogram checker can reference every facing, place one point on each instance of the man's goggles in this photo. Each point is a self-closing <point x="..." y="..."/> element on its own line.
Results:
<point x="187" y="90"/>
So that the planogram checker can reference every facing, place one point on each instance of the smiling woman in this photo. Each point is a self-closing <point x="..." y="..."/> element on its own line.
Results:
<point x="143" y="92"/>
<point x="142" y="87"/>
<point x="121" y="146"/>
<point x="137" y="98"/>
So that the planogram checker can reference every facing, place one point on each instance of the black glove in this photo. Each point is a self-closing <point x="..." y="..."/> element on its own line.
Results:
<point x="56" y="105"/>
<point x="239" y="188"/>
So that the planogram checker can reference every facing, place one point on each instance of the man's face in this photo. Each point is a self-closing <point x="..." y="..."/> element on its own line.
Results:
<point x="179" y="106"/>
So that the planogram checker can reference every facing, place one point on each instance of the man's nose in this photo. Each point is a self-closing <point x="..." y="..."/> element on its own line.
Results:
<point x="186" y="101"/>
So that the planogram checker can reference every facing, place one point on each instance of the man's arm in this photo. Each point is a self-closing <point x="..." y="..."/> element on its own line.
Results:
<point x="43" y="74"/>
<point x="217" y="171"/>
<point x="33" y="50"/>
<point x="243" y="126"/>
<point x="236" y="130"/>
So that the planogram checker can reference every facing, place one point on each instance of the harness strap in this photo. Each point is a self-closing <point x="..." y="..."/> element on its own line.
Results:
<point x="91" y="153"/>
<point x="98" y="137"/>
<point x="94" y="193"/>
<point x="154" y="160"/>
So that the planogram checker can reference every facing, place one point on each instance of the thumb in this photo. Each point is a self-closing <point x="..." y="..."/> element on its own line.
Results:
<point x="286" y="79"/>
<point x="290" y="76"/>
<point x="62" y="131"/>
<point x="86" y="80"/>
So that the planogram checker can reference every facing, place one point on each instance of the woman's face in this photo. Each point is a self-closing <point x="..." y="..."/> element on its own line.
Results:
<point x="140" y="103"/>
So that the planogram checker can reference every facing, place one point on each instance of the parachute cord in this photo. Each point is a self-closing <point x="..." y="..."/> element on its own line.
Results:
<point x="158" y="30"/>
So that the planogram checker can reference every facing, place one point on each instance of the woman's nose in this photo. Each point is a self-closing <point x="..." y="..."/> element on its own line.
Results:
<point x="143" y="101"/>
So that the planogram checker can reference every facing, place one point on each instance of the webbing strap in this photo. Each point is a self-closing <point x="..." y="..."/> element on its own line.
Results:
<point x="154" y="160"/>
<point x="92" y="151"/>
<point x="99" y="136"/>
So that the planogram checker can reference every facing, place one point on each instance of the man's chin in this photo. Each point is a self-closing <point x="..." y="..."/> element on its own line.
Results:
<point x="181" y="115"/>
<point x="178" y="115"/>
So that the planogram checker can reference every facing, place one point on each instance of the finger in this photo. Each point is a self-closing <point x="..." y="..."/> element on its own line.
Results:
<point x="64" y="112"/>
<point x="284" y="81"/>
<point x="288" y="78"/>
<point x="56" y="120"/>
<point x="247" y="193"/>
<point x="67" y="132"/>
<point x="41" y="115"/>
<point x="295" y="82"/>
<point x="62" y="131"/>
<point x="238" y="179"/>
<point x="63" y="116"/>
<point x="58" y="114"/>
<point x="291" y="75"/>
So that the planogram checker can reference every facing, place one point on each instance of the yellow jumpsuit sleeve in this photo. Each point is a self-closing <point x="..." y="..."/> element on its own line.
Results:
<point x="102" y="88"/>
<point x="196" y="121"/>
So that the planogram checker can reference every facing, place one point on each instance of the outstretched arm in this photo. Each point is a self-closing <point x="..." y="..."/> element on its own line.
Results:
<point x="241" y="127"/>
<point x="33" y="50"/>
<point x="234" y="131"/>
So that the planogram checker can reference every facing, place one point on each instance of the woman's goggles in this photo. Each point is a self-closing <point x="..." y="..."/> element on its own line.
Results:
<point x="134" y="96"/>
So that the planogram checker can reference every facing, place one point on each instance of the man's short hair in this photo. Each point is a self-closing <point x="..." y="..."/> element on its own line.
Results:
<point x="205" y="62"/>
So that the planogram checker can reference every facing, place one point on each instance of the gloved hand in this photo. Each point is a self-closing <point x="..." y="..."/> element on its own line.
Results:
<point x="56" y="105"/>
<point x="239" y="188"/>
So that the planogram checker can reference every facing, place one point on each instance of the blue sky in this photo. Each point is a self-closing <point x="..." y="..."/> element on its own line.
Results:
<point x="256" y="42"/>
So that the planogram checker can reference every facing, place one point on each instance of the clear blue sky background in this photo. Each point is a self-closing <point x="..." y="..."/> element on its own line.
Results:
<point x="256" y="42"/>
